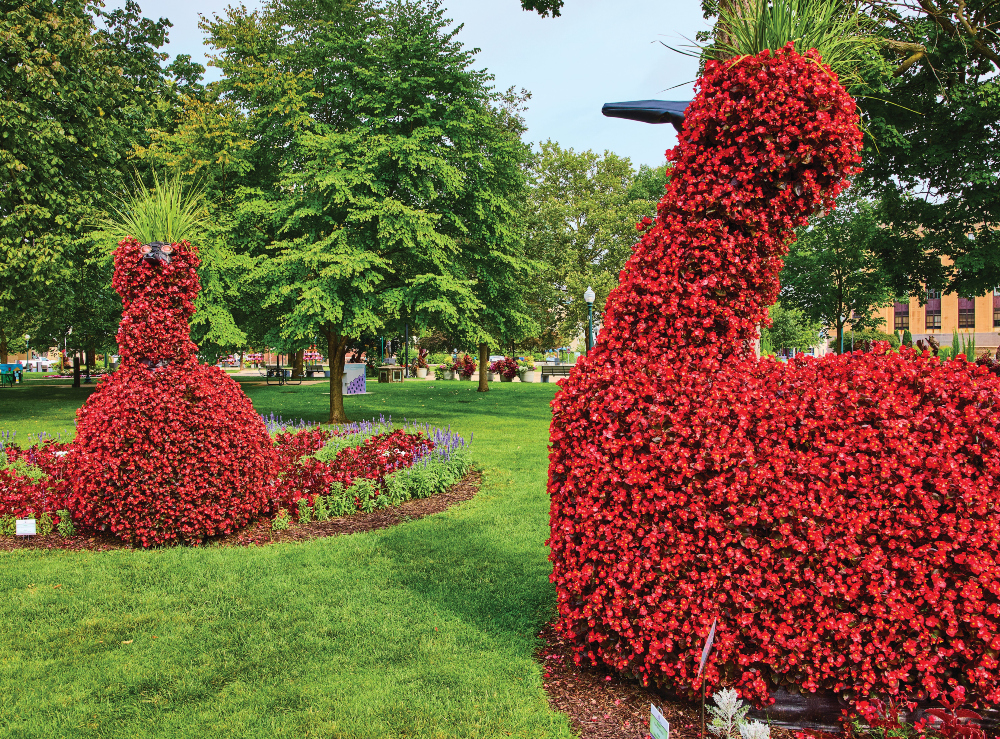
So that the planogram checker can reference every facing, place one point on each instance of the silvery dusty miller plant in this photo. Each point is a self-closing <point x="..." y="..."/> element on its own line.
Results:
<point x="729" y="718"/>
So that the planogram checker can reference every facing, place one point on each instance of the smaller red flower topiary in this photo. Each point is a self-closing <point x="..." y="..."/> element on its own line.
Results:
<point x="167" y="449"/>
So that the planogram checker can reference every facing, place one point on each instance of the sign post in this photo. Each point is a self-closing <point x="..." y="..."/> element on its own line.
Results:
<point x="706" y="650"/>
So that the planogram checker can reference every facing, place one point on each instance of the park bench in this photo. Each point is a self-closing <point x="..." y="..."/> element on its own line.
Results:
<point x="311" y="369"/>
<point x="555" y="370"/>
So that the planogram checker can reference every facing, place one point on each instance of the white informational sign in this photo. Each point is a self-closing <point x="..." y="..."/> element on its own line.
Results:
<point x="25" y="527"/>
<point x="659" y="727"/>
<point x="354" y="379"/>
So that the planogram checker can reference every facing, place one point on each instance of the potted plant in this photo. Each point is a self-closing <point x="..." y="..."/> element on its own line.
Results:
<point x="464" y="367"/>
<point x="420" y="364"/>
<point x="506" y="368"/>
<point x="526" y="368"/>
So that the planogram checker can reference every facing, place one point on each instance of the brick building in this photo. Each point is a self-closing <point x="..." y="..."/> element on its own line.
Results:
<point x="942" y="314"/>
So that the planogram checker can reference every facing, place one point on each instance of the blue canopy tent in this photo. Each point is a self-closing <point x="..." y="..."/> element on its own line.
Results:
<point x="649" y="111"/>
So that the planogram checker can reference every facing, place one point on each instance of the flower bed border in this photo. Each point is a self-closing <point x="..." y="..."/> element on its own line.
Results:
<point x="261" y="533"/>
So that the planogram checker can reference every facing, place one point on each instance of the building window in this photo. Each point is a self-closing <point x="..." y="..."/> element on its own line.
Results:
<point x="932" y="312"/>
<point x="996" y="307"/>
<point x="902" y="316"/>
<point x="967" y="312"/>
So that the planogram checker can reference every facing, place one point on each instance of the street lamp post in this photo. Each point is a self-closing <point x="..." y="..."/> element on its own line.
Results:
<point x="589" y="297"/>
<point x="27" y="349"/>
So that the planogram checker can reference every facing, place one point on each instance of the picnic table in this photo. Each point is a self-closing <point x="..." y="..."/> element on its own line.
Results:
<point x="279" y="376"/>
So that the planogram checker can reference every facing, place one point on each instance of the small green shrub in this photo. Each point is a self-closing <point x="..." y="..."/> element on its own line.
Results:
<point x="340" y="502"/>
<point x="44" y="524"/>
<point x="364" y="490"/>
<point x="22" y="468"/>
<point x="305" y="512"/>
<point x="7" y="526"/>
<point x="396" y="489"/>
<point x="282" y="521"/>
<point x="320" y="509"/>
<point x="365" y="431"/>
<point x="65" y="525"/>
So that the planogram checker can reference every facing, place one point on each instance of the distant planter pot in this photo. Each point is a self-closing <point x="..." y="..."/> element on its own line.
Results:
<point x="448" y="374"/>
<point x="491" y="376"/>
<point x="421" y="372"/>
<point x="528" y="376"/>
<point x="506" y="379"/>
<point x="465" y="377"/>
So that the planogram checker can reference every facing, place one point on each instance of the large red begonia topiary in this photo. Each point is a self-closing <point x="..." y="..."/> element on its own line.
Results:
<point x="167" y="449"/>
<point x="838" y="516"/>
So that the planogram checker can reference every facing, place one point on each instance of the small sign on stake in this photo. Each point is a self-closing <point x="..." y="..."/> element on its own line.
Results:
<point x="707" y="650"/>
<point x="659" y="727"/>
<point x="25" y="527"/>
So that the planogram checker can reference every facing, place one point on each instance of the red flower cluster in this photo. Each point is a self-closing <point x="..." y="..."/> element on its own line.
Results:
<point x="166" y="449"/>
<point x="21" y="496"/>
<point x="507" y="367"/>
<point x="307" y="477"/>
<point x="465" y="366"/>
<point x="837" y="516"/>
<point x="379" y="456"/>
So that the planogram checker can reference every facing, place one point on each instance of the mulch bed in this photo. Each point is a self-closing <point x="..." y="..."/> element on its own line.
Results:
<point x="261" y="533"/>
<point x="602" y="705"/>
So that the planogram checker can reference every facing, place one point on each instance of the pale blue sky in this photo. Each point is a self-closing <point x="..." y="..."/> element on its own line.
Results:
<point x="598" y="51"/>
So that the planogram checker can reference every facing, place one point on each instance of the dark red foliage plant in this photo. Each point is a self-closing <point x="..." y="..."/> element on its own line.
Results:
<point x="167" y="449"/>
<point x="838" y="516"/>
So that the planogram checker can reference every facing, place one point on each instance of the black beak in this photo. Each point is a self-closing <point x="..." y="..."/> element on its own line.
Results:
<point x="156" y="252"/>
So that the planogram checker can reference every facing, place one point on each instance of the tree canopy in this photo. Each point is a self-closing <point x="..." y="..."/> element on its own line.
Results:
<point x="583" y="210"/>
<point x="832" y="272"/>
<point x="386" y="167"/>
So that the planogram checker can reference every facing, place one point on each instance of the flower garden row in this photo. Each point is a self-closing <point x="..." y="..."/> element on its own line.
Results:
<point x="465" y="366"/>
<point x="320" y="472"/>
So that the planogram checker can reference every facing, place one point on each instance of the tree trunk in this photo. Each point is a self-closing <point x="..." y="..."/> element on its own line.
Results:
<point x="336" y="351"/>
<point x="76" y="369"/>
<point x="3" y="347"/>
<point x="484" y="360"/>
<point x="297" y="369"/>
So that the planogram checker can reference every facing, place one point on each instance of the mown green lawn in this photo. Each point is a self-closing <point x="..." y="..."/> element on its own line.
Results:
<point x="423" y="630"/>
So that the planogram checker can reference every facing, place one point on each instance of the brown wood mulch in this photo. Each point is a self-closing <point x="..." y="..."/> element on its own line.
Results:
<point x="602" y="705"/>
<point x="260" y="534"/>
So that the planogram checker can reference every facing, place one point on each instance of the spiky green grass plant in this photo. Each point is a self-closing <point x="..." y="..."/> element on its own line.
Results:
<point x="167" y="212"/>
<point x="844" y="37"/>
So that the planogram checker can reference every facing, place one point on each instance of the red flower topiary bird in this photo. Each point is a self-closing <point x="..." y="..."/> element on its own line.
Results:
<point x="838" y="516"/>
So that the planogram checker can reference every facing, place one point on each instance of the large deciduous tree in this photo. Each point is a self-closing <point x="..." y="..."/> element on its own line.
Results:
<point x="583" y="209"/>
<point x="832" y="272"/>
<point x="396" y="182"/>
<point x="73" y="99"/>
<point x="934" y="159"/>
